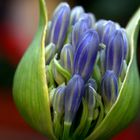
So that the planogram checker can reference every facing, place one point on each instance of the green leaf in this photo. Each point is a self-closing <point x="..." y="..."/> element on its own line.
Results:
<point x="128" y="103"/>
<point x="30" y="89"/>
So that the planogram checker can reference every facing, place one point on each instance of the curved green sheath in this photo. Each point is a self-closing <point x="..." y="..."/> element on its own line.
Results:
<point x="128" y="103"/>
<point x="30" y="90"/>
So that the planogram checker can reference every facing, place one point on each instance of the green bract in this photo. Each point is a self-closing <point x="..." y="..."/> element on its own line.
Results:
<point x="31" y="93"/>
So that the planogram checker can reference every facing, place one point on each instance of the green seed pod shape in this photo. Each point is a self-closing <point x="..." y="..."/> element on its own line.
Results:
<point x="30" y="90"/>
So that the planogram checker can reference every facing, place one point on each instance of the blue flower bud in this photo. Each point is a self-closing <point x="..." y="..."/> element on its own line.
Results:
<point x="49" y="52"/>
<point x="115" y="53"/>
<point x="92" y="83"/>
<point x="92" y="18"/>
<point x="85" y="55"/>
<point x="91" y="100"/>
<point x="58" y="99"/>
<point x="75" y="14"/>
<point x="109" y="29"/>
<point x="88" y="18"/>
<point x="102" y="53"/>
<point x="94" y="104"/>
<point x="109" y="89"/>
<point x="73" y="96"/>
<point x="126" y="44"/>
<point x="66" y="57"/>
<point x="58" y="110"/>
<point x="78" y="30"/>
<point x="124" y="69"/>
<point x="59" y="26"/>
<point x="99" y="26"/>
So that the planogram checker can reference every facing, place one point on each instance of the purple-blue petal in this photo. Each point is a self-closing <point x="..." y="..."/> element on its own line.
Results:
<point x="75" y="14"/>
<point x="73" y="96"/>
<point x="88" y="18"/>
<point x="59" y="25"/>
<point x="91" y="100"/>
<point x="85" y="55"/>
<point x="109" y="29"/>
<point x="115" y="53"/>
<point x="58" y="99"/>
<point x="78" y="30"/>
<point x="66" y="57"/>
<point x="109" y="87"/>
<point x="99" y="26"/>
<point x="126" y="43"/>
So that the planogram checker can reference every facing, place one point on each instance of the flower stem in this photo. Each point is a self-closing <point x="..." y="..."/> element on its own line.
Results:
<point x="57" y="125"/>
<point x="67" y="126"/>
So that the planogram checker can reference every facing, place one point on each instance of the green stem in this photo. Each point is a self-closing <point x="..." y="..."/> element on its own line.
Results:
<point x="101" y="114"/>
<point x="87" y="127"/>
<point x="97" y="74"/>
<point x="57" y="125"/>
<point x="66" y="131"/>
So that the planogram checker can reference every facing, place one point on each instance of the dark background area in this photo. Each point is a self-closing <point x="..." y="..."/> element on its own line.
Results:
<point x="18" y="24"/>
<point x="117" y="10"/>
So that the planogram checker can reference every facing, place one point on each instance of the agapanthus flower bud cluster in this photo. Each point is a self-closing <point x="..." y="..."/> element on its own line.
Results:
<point x="86" y="62"/>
